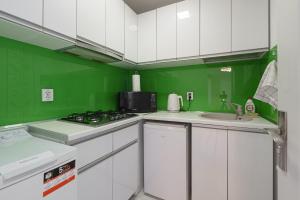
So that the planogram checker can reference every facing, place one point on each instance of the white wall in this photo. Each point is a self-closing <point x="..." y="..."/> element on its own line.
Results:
<point x="273" y="20"/>
<point x="289" y="93"/>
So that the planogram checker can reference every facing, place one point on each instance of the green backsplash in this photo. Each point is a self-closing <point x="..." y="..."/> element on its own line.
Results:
<point x="81" y="85"/>
<point x="78" y="84"/>
<point x="208" y="83"/>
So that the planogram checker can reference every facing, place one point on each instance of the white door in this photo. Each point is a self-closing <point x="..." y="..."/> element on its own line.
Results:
<point x="91" y="20"/>
<point x="29" y="10"/>
<point x="96" y="182"/>
<point x="165" y="161"/>
<point x="60" y="16"/>
<point x="250" y="166"/>
<point x="187" y="28"/>
<point x="131" y="34"/>
<point x="215" y="26"/>
<point x="166" y="32"/>
<point x="209" y="164"/>
<point x="147" y="37"/>
<point x="125" y="173"/>
<point x="115" y="25"/>
<point x="250" y="24"/>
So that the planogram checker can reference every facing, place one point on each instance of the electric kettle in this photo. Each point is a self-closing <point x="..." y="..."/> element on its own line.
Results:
<point x="174" y="102"/>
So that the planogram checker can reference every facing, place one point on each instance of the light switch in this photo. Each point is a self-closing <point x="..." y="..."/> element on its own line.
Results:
<point x="47" y="95"/>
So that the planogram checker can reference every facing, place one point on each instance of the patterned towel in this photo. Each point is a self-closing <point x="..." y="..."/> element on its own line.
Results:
<point x="267" y="90"/>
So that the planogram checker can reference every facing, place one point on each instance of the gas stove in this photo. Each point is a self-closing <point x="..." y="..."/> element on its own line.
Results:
<point x="97" y="118"/>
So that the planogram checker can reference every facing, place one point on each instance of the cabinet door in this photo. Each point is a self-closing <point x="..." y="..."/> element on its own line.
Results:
<point x="115" y="25"/>
<point x="209" y="164"/>
<point x="125" y="173"/>
<point x="250" y="24"/>
<point x="96" y="182"/>
<point x="188" y="28"/>
<point x="147" y="37"/>
<point x="166" y="32"/>
<point x="215" y="26"/>
<point x="29" y="10"/>
<point x="131" y="34"/>
<point x="60" y="16"/>
<point x="165" y="161"/>
<point x="91" y="20"/>
<point x="91" y="150"/>
<point x="250" y="166"/>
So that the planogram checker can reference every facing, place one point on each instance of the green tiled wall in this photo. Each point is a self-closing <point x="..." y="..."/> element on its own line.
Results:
<point x="208" y="83"/>
<point x="81" y="85"/>
<point x="78" y="84"/>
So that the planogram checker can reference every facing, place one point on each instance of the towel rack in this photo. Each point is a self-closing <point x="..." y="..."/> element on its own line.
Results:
<point x="280" y="141"/>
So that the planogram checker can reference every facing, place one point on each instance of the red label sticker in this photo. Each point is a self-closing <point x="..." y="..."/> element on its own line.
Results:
<point x="58" y="177"/>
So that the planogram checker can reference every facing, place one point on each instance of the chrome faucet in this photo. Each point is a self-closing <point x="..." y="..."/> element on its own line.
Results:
<point x="238" y="109"/>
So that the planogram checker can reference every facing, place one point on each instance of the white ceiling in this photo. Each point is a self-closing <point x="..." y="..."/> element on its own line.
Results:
<point x="140" y="6"/>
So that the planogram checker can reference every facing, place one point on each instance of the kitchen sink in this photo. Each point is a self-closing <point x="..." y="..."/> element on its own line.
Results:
<point x="225" y="117"/>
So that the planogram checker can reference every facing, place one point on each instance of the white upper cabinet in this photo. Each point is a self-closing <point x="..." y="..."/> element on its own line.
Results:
<point x="250" y="24"/>
<point x="131" y="34"/>
<point x="215" y="26"/>
<point x="166" y="32"/>
<point x="115" y="25"/>
<point x="187" y="28"/>
<point x="60" y="16"/>
<point x="91" y="20"/>
<point x="147" y="36"/>
<point x="29" y="10"/>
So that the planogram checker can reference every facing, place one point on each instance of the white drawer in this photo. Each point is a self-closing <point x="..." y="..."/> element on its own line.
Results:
<point x="93" y="149"/>
<point x="125" y="136"/>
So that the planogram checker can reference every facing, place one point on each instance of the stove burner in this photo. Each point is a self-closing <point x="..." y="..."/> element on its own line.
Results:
<point x="97" y="118"/>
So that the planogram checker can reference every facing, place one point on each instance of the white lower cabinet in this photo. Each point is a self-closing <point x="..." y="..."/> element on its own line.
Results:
<point x="165" y="161"/>
<point x="233" y="165"/>
<point x="250" y="166"/>
<point x="116" y="177"/>
<point x="209" y="164"/>
<point x="125" y="173"/>
<point x="96" y="182"/>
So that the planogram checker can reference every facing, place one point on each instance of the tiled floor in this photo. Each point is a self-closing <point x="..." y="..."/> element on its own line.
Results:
<point x="141" y="196"/>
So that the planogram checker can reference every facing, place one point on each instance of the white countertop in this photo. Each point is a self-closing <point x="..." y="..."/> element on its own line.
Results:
<point x="196" y="118"/>
<point x="68" y="132"/>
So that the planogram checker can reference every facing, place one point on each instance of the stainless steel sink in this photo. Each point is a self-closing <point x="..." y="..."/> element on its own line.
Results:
<point x="225" y="117"/>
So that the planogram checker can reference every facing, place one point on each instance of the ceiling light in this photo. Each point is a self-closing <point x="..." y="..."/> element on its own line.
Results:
<point x="183" y="15"/>
<point x="226" y="69"/>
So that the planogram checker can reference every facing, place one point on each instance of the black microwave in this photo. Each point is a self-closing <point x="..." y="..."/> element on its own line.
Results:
<point x="137" y="102"/>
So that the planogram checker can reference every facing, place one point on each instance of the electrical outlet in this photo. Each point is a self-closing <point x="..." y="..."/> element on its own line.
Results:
<point x="190" y="96"/>
<point x="47" y="95"/>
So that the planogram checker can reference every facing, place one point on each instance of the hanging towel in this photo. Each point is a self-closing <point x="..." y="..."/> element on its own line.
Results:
<point x="267" y="90"/>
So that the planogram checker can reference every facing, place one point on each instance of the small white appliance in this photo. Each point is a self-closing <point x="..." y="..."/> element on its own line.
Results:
<point x="36" y="169"/>
<point x="174" y="102"/>
<point x="166" y="166"/>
